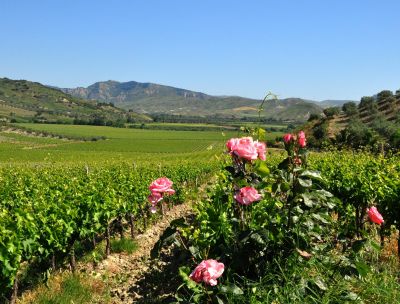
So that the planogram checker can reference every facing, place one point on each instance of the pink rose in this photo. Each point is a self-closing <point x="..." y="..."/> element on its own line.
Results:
<point x="246" y="148"/>
<point x="246" y="151"/>
<point x="162" y="185"/>
<point x="245" y="140"/>
<point x="230" y="144"/>
<point x="154" y="198"/>
<point x="207" y="271"/>
<point x="287" y="138"/>
<point x="261" y="149"/>
<point x="375" y="216"/>
<point x="301" y="138"/>
<point x="247" y="195"/>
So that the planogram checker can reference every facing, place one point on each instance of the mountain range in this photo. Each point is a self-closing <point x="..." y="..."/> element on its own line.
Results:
<point x="22" y="100"/>
<point x="150" y="98"/>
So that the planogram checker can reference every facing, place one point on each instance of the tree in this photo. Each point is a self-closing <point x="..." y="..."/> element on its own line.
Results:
<point x="395" y="139"/>
<point x="383" y="95"/>
<point x="350" y="108"/>
<point x="366" y="102"/>
<point x="357" y="135"/>
<point x="320" y="132"/>
<point x="330" y="112"/>
<point x="313" y="116"/>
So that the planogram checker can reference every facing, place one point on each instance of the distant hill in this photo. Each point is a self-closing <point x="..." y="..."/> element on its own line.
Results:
<point x="374" y="122"/>
<point x="332" y="103"/>
<point x="153" y="98"/>
<point x="22" y="100"/>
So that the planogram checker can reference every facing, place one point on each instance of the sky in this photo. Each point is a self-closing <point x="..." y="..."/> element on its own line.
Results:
<point x="312" y="49"/>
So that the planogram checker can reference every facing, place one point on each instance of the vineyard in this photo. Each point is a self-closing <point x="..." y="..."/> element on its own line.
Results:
<point x="278" y="226"/>
<point x="37" y="143"/>
<point x="46" y="211"/>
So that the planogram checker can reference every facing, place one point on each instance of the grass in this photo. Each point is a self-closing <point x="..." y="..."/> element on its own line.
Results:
<point x="71" y="291"/>
<point x="71" y="288"/>
<point x="123" y="245"/>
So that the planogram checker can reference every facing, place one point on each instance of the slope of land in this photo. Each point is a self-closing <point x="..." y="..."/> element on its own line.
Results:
<point x="375" y="120"/>
<point x="22" y="100"/>
<point x="155" y="99"/>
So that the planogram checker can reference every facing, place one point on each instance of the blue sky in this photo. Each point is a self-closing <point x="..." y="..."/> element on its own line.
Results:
<point x="322" y="49"/>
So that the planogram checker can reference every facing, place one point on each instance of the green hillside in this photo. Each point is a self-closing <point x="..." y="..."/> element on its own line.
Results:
<point x="159" y="99"/>
<point x="374" y="122"/>
<point x="27" y="101"/>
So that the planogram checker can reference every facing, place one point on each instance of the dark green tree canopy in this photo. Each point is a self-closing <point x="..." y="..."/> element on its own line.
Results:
<point x="384" y="94"/>
<point x="350" y="108"/>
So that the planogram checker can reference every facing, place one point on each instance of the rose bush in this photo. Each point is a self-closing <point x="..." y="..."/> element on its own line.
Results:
<point x="259" y="218"/>
<point x="292" y="214"/>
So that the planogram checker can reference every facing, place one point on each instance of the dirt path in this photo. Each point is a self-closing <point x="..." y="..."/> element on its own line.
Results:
<point x="127" y="274"/>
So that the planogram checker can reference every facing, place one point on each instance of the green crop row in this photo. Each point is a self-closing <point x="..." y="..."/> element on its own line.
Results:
<point x="45" y="211"/>
<point x="361" y="180"/>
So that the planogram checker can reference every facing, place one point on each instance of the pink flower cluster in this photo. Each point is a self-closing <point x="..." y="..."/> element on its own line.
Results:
<point x="158" y="188"/>
<point x="375" y="216"/>
<point x="247" y="148"/>
<point x="247" y="195"/>
<point x="207" y="271"/>
<point x="301" y="139"/>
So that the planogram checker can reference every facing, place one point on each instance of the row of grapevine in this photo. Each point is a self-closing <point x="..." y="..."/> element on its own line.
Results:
<point x="361" y="180"/>
<point x="45" y="211"/>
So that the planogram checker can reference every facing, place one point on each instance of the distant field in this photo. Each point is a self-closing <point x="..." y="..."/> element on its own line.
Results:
<point x="262" y="125"/>
<point x="121" y="144"/>
<point x="180" y="126"/>
<point x="207" y="126"/>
